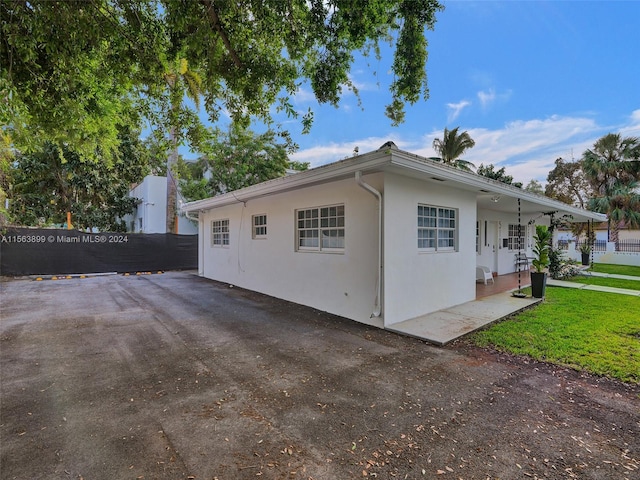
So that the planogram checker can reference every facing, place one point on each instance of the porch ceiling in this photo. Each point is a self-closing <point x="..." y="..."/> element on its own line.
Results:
<point x="508" y="204"/>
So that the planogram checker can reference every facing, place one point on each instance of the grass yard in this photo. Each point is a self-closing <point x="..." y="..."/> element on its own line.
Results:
<point x="593" y="331"/>
<point x="617" y="269"/>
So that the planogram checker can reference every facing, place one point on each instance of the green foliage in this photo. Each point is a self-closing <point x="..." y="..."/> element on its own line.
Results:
<point x="534" y="186"/>
<point x="499" y="175"/>
<point x="452" y="147"/>
<point x="556" y="261"/>
<point x="235" y="159"/>
<point x="616" y="269"/>
<point x="71" y="72"/>
<point x="612" y="168"/>
<point x="587" y="330"/>
<point x="51" y="182"/>
<point x="568" y="184"/>
<point x="541" y="247"/>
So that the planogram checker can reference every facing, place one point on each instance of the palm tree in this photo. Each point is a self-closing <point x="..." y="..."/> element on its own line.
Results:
<point x="452" y="147"/>
<point x="181" y="81"/>
<point x="622" y="206"/>
<point x="613" y="170"/>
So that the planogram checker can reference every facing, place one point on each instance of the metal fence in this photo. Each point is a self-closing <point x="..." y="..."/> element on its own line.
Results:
<point x="598" y="245"/>
<point x="629" y="245"/>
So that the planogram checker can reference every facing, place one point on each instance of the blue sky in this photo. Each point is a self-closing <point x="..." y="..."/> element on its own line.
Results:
<point x="530" y="81"/>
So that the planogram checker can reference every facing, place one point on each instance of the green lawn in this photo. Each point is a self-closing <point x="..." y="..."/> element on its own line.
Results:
<point x="607" y="282"/>
<point x="593" y="331"/>
<point x="618" y="269"/>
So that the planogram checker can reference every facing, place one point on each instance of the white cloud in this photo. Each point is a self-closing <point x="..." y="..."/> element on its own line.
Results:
<point x="488" y="98"/>
<point x="304" y="95"/>
<point x="332" y="152"/>
<point x="526" y="148"/>
<point x="455" y="109"/>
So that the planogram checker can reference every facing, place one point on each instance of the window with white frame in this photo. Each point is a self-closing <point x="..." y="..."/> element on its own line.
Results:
<point x="220" y="233"/>
<point x="477" y="236"/>
<point x="516" y="236"/>
<point x="259" y="226"/>
<point x="437" y="230"/>
<point x="320" y="228"/>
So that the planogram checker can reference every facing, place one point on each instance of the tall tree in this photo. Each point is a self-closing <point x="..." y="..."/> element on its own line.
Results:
<point x="69" y="71"/>
<point x="567" y="183"/>
<point x="612" y="168"/>
<point x="181" y="82"/>
<point x="500" y="175"/>
<point x="452" y="147"/>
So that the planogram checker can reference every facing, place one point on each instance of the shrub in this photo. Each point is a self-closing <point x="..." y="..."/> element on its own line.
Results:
<point x="566" y="271"/>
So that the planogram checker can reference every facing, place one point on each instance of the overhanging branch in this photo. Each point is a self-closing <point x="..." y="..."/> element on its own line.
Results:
<point x="212" y="13"/>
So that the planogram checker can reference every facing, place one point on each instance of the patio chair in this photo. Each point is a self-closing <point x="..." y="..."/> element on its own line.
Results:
<point x="484" y="273"/>
<point x="521" y="261"/>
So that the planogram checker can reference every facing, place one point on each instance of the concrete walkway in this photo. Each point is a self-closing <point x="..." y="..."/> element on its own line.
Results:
<point x="609" y="275"/>
<point x="443" y="326"/>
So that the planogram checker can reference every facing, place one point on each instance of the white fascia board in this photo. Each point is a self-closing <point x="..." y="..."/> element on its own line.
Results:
<point x="380" y="160"/>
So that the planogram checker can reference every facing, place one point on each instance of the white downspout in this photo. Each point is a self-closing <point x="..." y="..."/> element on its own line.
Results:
<point x="200" y="242"/>
<point x="377" y="311"/>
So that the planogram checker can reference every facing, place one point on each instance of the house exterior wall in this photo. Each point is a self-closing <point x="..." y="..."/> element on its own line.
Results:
<point x="150" y="214"/>
<point x="494" y="229"/>
<point x="340" y="283"/>
<point x="417" y="283"/>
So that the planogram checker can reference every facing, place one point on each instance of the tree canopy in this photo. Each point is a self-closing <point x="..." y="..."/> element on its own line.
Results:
<point x="50" y="182"/>
<point x="72" y="73"/>
<point x="567" y="183"/>
<point x="500" y="175"/>
<point x="612" y="168"/>
<point x="235" y="159"/>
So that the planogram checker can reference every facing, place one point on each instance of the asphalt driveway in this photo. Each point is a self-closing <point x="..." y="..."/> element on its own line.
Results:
<point x="176" y="377"/>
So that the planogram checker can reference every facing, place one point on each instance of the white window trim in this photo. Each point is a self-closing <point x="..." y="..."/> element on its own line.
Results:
<point x="221" y="234"/>
<point x="254" y="227"/>
<point x="320" y="228"/>
<point x="437" y="228"/>
<point x="512" y="240"/>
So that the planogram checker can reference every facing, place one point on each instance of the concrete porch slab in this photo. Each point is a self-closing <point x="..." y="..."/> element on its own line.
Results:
<point x="443" y="326"/>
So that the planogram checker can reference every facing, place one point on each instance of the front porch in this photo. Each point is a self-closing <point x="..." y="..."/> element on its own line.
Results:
<point x="493" y="302"/>
<point x="503" y="283"/>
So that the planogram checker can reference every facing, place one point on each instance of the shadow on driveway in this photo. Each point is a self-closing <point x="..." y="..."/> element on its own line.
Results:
<point x="173" y="377"/>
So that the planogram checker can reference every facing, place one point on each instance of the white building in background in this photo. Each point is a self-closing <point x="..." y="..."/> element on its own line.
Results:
<point x="151" y="211"/>
<point x="379" y="238"/>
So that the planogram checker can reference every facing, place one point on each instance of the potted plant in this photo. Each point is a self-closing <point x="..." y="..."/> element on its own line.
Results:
<point x="585" y="251"/>
<point x="585" y="248"/>
<point x="541" y="245"/>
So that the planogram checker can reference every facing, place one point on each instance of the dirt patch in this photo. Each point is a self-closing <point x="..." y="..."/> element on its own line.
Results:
<point x="172" y="376"/>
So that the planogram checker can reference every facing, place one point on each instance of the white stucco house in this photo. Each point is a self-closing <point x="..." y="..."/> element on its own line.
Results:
<point x="379" y="238"/>
<point x="150" y="215"/>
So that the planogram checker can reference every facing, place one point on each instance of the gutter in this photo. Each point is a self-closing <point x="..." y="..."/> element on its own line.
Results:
<point x="195" y="219"/>
<point x="377" y="310"/>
